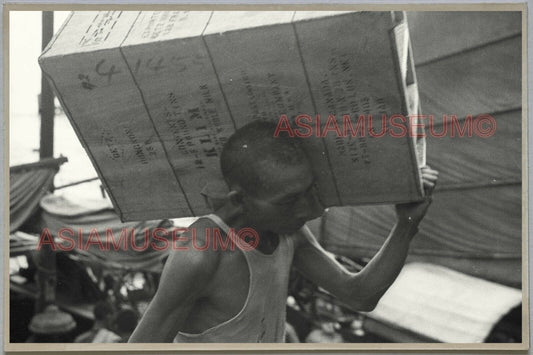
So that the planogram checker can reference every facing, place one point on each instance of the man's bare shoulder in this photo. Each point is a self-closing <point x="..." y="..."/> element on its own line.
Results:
<point x="192" y="251"/>
<point x="201" y="234"/>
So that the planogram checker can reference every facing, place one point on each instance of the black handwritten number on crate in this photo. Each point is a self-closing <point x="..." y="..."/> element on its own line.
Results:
<point x="101" y="70"/>
<point x="153" y="64"/>
<point x="177" y="63"/>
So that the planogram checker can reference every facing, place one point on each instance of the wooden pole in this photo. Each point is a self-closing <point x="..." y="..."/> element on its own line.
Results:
<point x="46" y="106"/>
<point x="45" y="258"/>
<point x="48" y="323"/>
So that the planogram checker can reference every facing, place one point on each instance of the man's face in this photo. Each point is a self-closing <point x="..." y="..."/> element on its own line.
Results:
<point x="290" y="200"/>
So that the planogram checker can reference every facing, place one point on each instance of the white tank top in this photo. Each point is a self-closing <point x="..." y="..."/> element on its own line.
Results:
<point x="262" y="318"/>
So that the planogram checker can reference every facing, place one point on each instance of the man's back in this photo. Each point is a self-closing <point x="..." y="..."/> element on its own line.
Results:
<point x="227" y="292"/>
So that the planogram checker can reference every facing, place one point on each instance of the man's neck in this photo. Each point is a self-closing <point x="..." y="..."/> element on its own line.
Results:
<point x="268" y="241"/>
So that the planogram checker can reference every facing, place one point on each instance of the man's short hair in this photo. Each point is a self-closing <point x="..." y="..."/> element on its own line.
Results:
<point x="253" y="150"/>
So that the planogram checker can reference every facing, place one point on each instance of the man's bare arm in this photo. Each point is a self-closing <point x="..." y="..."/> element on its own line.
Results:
<point x="362" y="290"/>
<point x="184" y="278"/>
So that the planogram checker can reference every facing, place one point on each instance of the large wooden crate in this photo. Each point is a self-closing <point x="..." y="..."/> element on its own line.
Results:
<point x="154" y="95"/>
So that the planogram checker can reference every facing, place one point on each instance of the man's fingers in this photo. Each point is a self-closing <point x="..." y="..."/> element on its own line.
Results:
<point x="427" y="169"/>
<point x="429" y="179"/>
<point x="428" y="176"/>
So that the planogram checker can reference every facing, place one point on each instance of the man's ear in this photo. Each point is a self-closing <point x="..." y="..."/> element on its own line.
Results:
<point x="235" y="196"/>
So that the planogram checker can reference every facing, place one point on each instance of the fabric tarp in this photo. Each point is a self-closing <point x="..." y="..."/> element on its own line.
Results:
<point x="28" y="183"/>
<point x="456" y="232"/>
<point x="99" y="236"/>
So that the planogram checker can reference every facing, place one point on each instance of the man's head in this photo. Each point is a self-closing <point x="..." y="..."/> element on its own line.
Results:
<point x="270" y="177"/>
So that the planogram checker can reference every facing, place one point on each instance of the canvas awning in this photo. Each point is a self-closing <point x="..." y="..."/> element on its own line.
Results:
<point x="445" y="305"/>
<point x="28" y="183"/>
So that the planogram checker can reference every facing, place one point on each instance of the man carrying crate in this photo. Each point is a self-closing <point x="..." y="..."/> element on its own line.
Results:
<point x="211" y="294"/>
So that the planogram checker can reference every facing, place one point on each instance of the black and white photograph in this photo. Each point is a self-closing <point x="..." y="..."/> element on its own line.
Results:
<point x="331" y="177"/>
